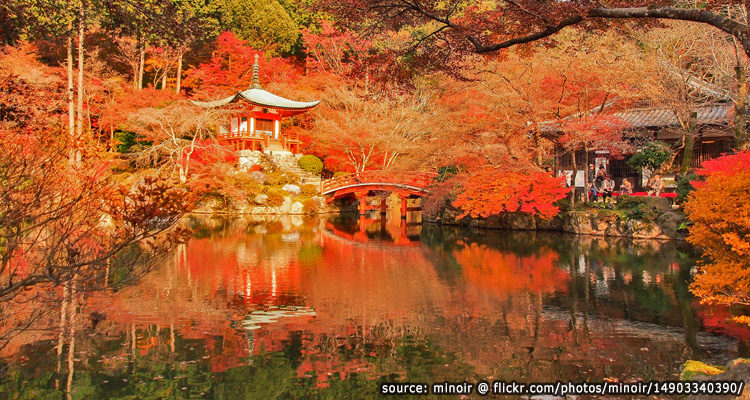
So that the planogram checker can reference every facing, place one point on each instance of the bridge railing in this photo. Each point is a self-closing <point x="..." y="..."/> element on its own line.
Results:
<point x="418" y="179"/>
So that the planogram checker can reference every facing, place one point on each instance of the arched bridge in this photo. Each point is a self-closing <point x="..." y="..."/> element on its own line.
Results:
<point x="407" y="184"/>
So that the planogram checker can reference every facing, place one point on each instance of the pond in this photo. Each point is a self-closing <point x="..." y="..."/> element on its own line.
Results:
<point x="295" y="308"/>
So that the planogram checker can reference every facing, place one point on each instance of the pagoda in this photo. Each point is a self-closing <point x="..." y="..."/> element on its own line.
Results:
<point x="255" y="119"/>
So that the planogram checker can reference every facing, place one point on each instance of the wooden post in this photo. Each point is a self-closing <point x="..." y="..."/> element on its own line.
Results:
<point x="404" y="198"/>
<point x="383" y="207"/>
<point x="362" y="202"/>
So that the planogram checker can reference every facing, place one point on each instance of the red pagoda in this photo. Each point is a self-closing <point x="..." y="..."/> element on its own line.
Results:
<point x="255" y="119"/>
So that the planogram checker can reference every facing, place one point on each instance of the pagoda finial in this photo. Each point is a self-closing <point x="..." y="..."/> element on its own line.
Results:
<point x="256" y="79"/>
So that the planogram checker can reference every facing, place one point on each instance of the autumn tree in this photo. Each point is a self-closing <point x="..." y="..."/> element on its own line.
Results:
<point x="174" y="131"/>
<point x="492" y="191"/>
<point x="719" y="209"/>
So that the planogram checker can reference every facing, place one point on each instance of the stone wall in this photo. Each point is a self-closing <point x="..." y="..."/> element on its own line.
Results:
<point x="216" y="205"/>
<point x="590" y="222"/>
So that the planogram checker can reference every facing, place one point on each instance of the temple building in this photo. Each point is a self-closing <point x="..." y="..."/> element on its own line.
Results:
<point x="255" y="119"/>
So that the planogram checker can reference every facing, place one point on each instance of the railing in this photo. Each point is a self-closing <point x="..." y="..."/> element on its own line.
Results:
<point x="416" y="179"/>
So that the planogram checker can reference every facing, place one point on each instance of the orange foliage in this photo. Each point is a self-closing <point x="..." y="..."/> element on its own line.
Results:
<point x="720" y="212"/>
<point x="492" y="191"/>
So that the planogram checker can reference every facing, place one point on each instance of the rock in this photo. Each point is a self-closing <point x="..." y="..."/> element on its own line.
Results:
<point x="669" y="222"/>
<point x="520" y="221"/>
<point x="735" y="370"/>
<point x="578" y="222"/>
<point x="293" y="189"/>
<point x="261" y="199"/>
<point x="296" y="208"/>
<point x="450" y="216"/>
<point x="642" y="230"/>
<point x="286" y="206"/>
<point x="258" y="176"/>
<point x="553" y="224"/>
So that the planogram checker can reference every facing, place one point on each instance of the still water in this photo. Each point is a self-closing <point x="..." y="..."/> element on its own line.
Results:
<point x="293" y="308"/>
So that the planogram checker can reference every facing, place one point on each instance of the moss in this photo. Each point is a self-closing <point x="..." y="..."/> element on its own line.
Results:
<point x="693" y="368"/>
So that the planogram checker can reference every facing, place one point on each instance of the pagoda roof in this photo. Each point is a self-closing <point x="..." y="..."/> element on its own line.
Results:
<point x="260" y="97"/>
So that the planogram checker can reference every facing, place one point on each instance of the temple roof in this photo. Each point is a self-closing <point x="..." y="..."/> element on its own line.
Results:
<point x="257" y="96"/>
<point x="261" y="98"/>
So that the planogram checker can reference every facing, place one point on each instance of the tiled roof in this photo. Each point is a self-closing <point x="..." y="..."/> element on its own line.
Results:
<point x="713" y="114"/>
<point x="658" y="118"/>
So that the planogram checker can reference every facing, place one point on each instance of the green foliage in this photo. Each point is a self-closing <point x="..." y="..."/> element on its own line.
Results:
<point x="127" y="142"/>
<point x="652" y="155"/>
<point x="311" y="164"/>
<point x="340" y="173"/>
<point x="446" y="172"/>
<point x="642" y="208"/>
<point x="693" y="368"/>
<point x="308" y="190"/>
<point x="684" y="187"/>
<point x="264" y="24"/>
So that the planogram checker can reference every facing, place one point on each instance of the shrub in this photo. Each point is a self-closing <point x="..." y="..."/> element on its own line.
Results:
<point x="642" y="208"/>
<point x="255" y="167"/>
<point x="310" y="206"/>
<point x="279" y="178"/>
<point x="275" y="197"/>
<point x="244" y="182"/>
<point x="308" y="190"/>
<point x="684" y="187"/>
<point x="652" y="155"/>
<point x="719" y="209"/>
<point x="340" y="173"/>
<point x="492" y="191"/>
<point x="311" y="164"/>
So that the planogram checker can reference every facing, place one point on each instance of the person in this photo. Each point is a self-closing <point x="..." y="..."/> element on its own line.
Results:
<point x="591" y="174"/>
<point x="656" y="184"/>
<point x="626" y="187"/>
<point x="608" y="186"/>
<point x="598" y="186"/>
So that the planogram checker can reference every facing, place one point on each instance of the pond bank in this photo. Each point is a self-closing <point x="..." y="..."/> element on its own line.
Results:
<point x="664" y="226"/>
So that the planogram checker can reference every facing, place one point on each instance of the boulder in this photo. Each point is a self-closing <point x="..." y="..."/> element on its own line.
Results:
<point x="293" y="189"/>
<point x="258" y="176"/>
<point x="735" y="370"/>
<point x="669" y="222"/>
<point x="286" y="206"/>
<point x="552" y="224"/>
<point x="261" y="199"/>
<point x="296" y="208"/>
<point x="517" y="221"/>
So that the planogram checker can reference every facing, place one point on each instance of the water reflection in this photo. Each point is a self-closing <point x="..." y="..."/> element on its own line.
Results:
<point x="293" y="308"/>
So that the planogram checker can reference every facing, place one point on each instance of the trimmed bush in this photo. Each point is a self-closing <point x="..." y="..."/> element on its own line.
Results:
<point x="644" y="208"/>
<point x="279" y="178"/>
<point x="310" y="206"/>
<point x="311" y="164"/>
<point x="275" y="198"/>
<point x="308" y="190"/>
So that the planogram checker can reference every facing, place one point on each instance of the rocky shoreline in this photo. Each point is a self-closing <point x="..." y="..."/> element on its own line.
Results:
<point x="667" y="226"/>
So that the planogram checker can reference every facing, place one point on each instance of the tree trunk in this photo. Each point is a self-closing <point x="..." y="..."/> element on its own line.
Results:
<point x="79" y="128"/>
<point x="71" y="103"/>
<point x="140" y="65"/>
<point x="179" y="74"/>
<point x="575" y="172"/>
<point x="164" y="79"/>
<point x="687" y="152"/>
<point x="740" y="108"/>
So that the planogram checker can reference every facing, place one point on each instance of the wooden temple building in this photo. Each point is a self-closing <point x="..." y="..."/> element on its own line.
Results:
<point x="255" y="117"/>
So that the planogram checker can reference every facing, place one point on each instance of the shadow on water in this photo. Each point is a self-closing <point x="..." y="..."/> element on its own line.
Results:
<point x="298" y="308"/>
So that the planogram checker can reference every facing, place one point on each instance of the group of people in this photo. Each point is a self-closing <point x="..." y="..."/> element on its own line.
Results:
<point x="602" y="183"/>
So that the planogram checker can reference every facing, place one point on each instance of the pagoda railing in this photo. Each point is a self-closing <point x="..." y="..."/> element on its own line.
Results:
<point x="412" y="179"/>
